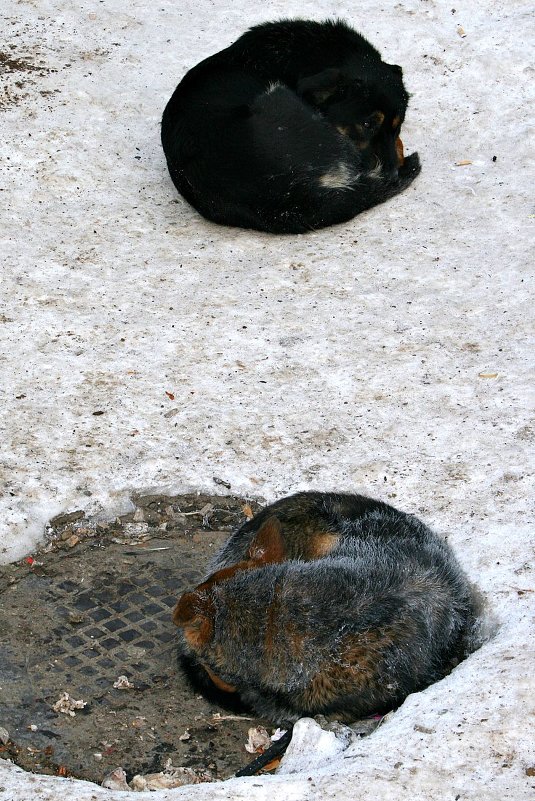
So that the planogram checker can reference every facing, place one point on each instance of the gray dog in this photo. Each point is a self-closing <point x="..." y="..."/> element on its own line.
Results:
<point x="328" y="603"/>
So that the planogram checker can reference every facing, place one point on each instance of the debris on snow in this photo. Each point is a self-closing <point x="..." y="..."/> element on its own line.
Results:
<point x="309" y="738"/>
<point x="169" y="777"/>
<point x="258" y="741"/>
<point x="68" y="705"/>
<point x="123" y="683"/>
<point x="116" y="780"/>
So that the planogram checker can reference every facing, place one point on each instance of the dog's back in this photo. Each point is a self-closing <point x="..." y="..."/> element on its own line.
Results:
<point x="316" y="524"/>
<point x="347" y="637"/>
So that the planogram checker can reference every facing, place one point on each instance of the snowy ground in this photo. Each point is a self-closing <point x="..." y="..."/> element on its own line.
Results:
<point x="390" y="355"/>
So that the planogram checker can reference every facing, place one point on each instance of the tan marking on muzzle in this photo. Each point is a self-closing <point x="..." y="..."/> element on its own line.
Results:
<point x="399" y="151"/>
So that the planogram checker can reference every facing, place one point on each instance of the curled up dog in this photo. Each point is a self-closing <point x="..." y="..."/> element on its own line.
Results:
<point x="294" y="127"/>
<point x="328" y="604"/>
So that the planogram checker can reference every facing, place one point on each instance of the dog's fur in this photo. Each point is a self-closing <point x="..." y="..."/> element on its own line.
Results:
<point x="327" y="603"/>
<point x="293" y="127"/>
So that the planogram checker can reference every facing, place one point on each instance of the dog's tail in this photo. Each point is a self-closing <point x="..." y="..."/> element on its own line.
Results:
<point x="336" y="196"/>
<point x="374" y="189"/>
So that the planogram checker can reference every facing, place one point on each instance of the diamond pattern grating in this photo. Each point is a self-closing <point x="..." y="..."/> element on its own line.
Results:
<point x="76" y="618"/>
<point x="122" y="631"/>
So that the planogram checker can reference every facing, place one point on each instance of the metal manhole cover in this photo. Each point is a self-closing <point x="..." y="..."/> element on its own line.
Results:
<point x="96" y="607"/>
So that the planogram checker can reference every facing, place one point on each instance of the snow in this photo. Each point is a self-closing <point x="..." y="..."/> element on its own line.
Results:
<point x="353" y="358"/>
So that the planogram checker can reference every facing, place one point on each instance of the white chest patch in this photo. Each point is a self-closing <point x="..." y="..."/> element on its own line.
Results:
<point x="273" y="87"/>
<point x="340" y="177"/>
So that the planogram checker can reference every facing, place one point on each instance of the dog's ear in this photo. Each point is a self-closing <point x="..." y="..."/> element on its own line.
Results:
<point x="267" y="546"/>
<point x="194" y="613"/>
<point x="321" y="86"/>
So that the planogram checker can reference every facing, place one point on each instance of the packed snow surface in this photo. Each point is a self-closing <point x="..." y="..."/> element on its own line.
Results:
<point x="145" y="349"/>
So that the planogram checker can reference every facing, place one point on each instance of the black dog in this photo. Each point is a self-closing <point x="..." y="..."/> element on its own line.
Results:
<point x="293" y="127"/>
